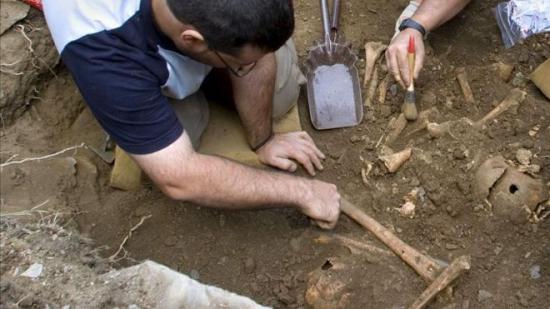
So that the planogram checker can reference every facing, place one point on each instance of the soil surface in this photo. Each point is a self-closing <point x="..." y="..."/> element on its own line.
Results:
<point x="273" y="256"/>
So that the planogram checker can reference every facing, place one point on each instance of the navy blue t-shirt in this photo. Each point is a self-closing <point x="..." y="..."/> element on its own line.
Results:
<point x="125" y="68"/>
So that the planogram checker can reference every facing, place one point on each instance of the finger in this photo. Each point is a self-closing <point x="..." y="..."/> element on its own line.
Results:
<point x="419" y="60"/>
<point x="391" y="58"/>
<point x="305" y="136"/>
<point x="404" y="68"/>
<point x="326" y="225"/>
<point x="313" y="156"/>
<point x="304" y="160"/>
<point x="284" y="164"/>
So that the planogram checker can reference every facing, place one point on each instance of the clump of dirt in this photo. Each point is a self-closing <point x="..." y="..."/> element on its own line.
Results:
<point x="275" y="256"/>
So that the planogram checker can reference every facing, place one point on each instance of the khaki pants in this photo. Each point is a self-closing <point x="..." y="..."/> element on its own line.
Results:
<point x="193" y="111"/>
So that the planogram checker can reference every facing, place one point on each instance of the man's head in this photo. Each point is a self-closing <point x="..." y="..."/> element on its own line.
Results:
<point x="228" y="25"/>
<point x="235" y="29"/>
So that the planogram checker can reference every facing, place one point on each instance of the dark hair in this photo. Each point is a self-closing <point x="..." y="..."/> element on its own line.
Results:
<point x="228" y="25"/>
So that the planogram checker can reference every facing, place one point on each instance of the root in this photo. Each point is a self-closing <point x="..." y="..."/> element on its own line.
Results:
<point x="41" y="158"/>
<point x="113" y="258"/>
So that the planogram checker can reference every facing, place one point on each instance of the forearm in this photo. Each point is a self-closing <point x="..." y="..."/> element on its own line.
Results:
<point x="433" y="13"/>
<point x="253" y="95"/>
<point x="218" y="182"/>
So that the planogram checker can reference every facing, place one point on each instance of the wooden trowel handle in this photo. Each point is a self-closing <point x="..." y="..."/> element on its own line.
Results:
<point x="424" y="265"/>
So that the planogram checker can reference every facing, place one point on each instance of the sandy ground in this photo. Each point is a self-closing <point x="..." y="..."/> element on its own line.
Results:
<point x="274" y="255"/>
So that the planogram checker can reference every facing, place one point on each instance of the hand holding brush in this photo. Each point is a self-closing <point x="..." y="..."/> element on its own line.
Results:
<point x="409" y="106"/>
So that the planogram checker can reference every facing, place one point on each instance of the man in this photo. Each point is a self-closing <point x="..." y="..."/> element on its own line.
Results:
<point x="139" y="65"/>
<point x="418" y="18"/>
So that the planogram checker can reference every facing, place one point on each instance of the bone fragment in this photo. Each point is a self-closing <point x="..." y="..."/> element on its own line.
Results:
<point x="514" y="98"/>
<point x="503" y="70"/>
<point x="383" y="89"/>
<point x="449" y="274"/>
<point x="372" y="88"/>
<point x="352" y="244"/>
<point x="464" y="85"/>
<point x="394" y="161"/>
<point x="372" y="53"/>
<point x="395" y="128"/>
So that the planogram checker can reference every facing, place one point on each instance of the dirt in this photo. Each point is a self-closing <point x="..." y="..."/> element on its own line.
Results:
<point x="272" y="256"/>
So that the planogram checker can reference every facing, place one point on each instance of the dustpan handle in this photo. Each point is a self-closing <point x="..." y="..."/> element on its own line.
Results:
<point x="325" y="19"/>
<point x="335" y="17"/>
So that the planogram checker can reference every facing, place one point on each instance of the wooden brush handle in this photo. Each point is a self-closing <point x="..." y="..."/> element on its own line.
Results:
<point x="424" y="265"/>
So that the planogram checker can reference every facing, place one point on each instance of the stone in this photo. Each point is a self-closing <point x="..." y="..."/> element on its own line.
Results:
<point x="483" y="296"/>
<point x="524" y="156"/>
<point x="504" y="70"/>
<point x="194" y="274"/>
<point x="249" y="265"/>
<point x="534" y="272"/>
<point x="171" y="241"/>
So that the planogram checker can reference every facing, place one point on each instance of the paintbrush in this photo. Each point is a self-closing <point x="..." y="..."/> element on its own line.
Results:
<point x="409" y="106"/>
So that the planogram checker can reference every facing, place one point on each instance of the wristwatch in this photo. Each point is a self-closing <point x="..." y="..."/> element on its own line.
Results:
<point x="410" y="23"/>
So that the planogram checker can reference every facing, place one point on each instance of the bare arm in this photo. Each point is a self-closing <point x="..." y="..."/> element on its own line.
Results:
<point x="253" y="95"/>
<point x="183" y="174"/>
<point x="430" y="14"/>
<point x="433" y="13"/>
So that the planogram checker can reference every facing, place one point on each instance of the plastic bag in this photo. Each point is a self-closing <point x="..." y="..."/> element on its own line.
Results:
<point x="519" y="19"/>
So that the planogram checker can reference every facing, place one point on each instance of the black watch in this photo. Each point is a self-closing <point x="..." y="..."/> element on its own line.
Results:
<point x="410" y="23"/>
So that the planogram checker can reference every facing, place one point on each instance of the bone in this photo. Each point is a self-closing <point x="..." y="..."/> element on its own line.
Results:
<point x="383" y="89"/>
<point x="514" y="99"/>
<point x="395" y="128"/>
<point x="503" y="70"/>
<point x="353" y="244"/>
<point x="394" y="161"/>
<point x="453" y="271"/>
<point x="464" y="85"/>
<point x="372" y="88"/>
<point x="372" y="53"/>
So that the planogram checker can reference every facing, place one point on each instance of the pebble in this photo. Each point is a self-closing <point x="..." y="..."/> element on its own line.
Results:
<point x="429" y="99"/>
<point x="451" y="246"/>
<point x="171" y="241"/>
<point x="295" y="244"/>
<point x="483" y="296"/>
<point x="459" y="154"/>
<point x="524" y="156"/>
<point x="523" y="57"/>
<point x="393" y="90"/>
<point x="534" y="272"/>
<point x="519" y="80"/>
<point x="355" y="139"/>
<point x="249" y="265"/>
<point x="194" y="274"/>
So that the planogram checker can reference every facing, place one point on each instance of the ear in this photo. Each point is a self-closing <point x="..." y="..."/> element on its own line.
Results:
<point x="193" y="39"/>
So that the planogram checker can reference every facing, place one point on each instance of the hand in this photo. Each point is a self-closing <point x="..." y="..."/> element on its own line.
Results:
<point x="396" y="56"/>
<point x="283" y="149"/>
<point x="322" y="204"/>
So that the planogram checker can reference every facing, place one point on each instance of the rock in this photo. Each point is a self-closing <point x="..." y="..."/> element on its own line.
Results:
<point x="295" y="244"/>
<point x="524" y="156"/>
<point x="534" y="272"/>
<point x="194" y="274"/>
<point x="12" y="12"/>
<point x="523" y="57"/>
<point x="34" y="271"/>
<point x="249" y="265"/>
<point x="171" y="241"/>
<point x="459" y="154"/>
<point x="483" y="296"/>
<point x="504" y="70"/>
<point x="355" y="139"/>
<point x="429" y="99"/>
<point x="519" y="80"/>
<point x="393" y="90"/>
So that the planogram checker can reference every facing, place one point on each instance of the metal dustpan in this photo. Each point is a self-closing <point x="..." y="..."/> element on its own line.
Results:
<point x="333" y="88"/>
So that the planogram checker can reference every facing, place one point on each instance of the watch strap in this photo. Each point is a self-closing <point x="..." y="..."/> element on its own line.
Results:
<point x="411" y="23"/>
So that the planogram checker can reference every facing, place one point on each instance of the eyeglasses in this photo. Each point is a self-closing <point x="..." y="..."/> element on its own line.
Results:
<point x="240" y="71"/>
